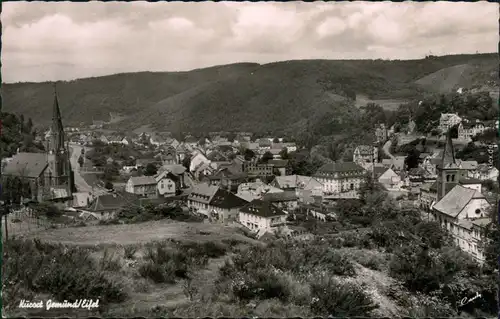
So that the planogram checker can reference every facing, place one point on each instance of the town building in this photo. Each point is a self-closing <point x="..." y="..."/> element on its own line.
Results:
<point x="263" y="216"/>
<point x="340" y="177"/>
<point x="365" y="154"/>
<point x="448" y="120"/>
<point x="142" y="185"/>
<point x="303" y="186"/>
<point x="467" y="130"/>
<point x="256" y="190"/>
<point x="107" y="205"/>
<point x="484" y="172"/>
<point x="215" y="203"/>
<point x="49" y="175"/>
<point x="381" y="133"/>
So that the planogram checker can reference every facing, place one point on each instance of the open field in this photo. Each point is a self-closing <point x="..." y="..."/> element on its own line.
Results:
<point x="386" y="104"/>
<point x="130" y="234"/>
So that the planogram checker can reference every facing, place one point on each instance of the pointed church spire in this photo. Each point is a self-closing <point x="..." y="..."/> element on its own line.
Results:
<point x="57" y="138"/>
<point x="448" y="153"/>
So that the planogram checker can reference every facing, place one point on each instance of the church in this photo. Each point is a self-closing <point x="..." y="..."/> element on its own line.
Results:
<point x="461" y="208"/>
<point x="48" y="174"/>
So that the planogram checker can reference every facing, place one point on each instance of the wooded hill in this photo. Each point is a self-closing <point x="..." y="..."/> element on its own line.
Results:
<point x="278" y="96"/>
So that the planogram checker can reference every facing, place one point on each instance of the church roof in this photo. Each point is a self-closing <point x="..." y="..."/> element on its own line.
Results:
<point x="29" y="165"/>
<point x="456" y="200"/>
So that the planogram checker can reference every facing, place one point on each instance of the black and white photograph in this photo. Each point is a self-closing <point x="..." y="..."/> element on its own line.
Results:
<point x="249" y="159"/>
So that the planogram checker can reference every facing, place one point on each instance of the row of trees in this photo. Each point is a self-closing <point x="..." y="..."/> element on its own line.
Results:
<point x="17" y="133"/>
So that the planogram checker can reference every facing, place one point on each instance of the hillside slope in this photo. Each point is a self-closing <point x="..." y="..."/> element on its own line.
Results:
<point x="474" y="74"/>
<point x="245" y="96"/>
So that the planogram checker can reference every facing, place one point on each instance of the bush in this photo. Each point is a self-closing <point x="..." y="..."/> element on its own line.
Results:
<point x="64" y="272"/>
<point x="129" y="252"/>
<point x="331" y="298"/>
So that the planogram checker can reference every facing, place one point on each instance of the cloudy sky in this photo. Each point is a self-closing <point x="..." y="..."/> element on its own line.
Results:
<point x="63" y="40"/>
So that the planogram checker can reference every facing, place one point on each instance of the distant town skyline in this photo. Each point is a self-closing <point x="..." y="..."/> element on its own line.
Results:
<point x="45" y="41"/>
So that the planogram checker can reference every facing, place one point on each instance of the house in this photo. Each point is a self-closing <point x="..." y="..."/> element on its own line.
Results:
<point x="448" y="120"/>
<point x="286" y="200"/>
<point x="467" y="130"/>
<point x="228" y="178"/>
<point x="104" y="139"/>
<point x="303" y="186"/>
<point x="142" y="185"/>
<point x="460" y="206"/>
<point x="417" y="176"/>
<point x="196" y="160"/>
<point x="255" y="169"/>
<point x="365" y="154"/>
<point x="256" y="190"/>
<point x="116" y="139"/>
<point x="170" y="141"/>
<point x="261" y="215"/>
<point x="215" y="203"/>
<point x="167" y="184"/>
<point x="107" y="205"/>
<point x="340" y="177"/>
<point x="203" y="170"/>
<point x="381" y="133"/>
<point x="280" y="165"/>
<point x="390" y="180"/>
<point x="178" y="171"/>
<point x="484" y="172"/>
<point x="467" y="166"/>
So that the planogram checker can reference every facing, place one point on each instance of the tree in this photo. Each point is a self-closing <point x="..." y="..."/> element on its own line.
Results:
<point x="411" y="161"/>
<point x="276" y="140"/>
<point x="150" y="170"/>
<point x="248" y="154"/>
<point x="108" y="185"/>
<point x="29" y="126"/>
<point x="80" y="161"/>
<point x="267" y="157"/>
<point x="284" y="153"/>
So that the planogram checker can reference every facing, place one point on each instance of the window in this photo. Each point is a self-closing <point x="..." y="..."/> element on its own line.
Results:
<point x="452" y="178"/>
<point x="478" y="211"/>
<point x="447" y="178"/>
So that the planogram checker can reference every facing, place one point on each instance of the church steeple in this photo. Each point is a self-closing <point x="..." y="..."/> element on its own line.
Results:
<point x="448" y="153"/>
<point x="448" y="170"/>
<point x="57" y="130"/>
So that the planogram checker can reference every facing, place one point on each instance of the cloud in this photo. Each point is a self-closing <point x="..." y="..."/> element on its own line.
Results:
<point x="66" y="40"/>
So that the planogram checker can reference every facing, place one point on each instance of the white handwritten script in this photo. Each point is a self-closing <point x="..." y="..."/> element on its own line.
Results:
<point x="466" y="300"/>
<point x="50" y="304"/>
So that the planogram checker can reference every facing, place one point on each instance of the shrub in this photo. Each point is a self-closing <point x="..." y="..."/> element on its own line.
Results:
<point x="330" y="298"/>
<point x="64" y="272"/>
<point x="129" y="252"/>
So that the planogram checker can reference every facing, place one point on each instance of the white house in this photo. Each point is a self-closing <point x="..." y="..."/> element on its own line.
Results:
<point x="215" y="203"/>
<point x="484" y="172"/>
<point x="340" y="177"/>
<point x="166" y="183"/>
<point x="467" y="130"/>
<point x="448" y="120"/>
<point x="256" y="190"/>
<point x="365" y="154"/>
<point x="390" y="179"/>
<point x="197" y="159"/>
<point x="141" y="185"/>
<point x="261" y="215"/>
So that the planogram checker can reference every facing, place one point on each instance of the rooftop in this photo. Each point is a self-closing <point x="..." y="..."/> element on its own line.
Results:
<point x="263" y="209"/>
<point x="456" y="200"/>
<point x="29" y="165"/>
